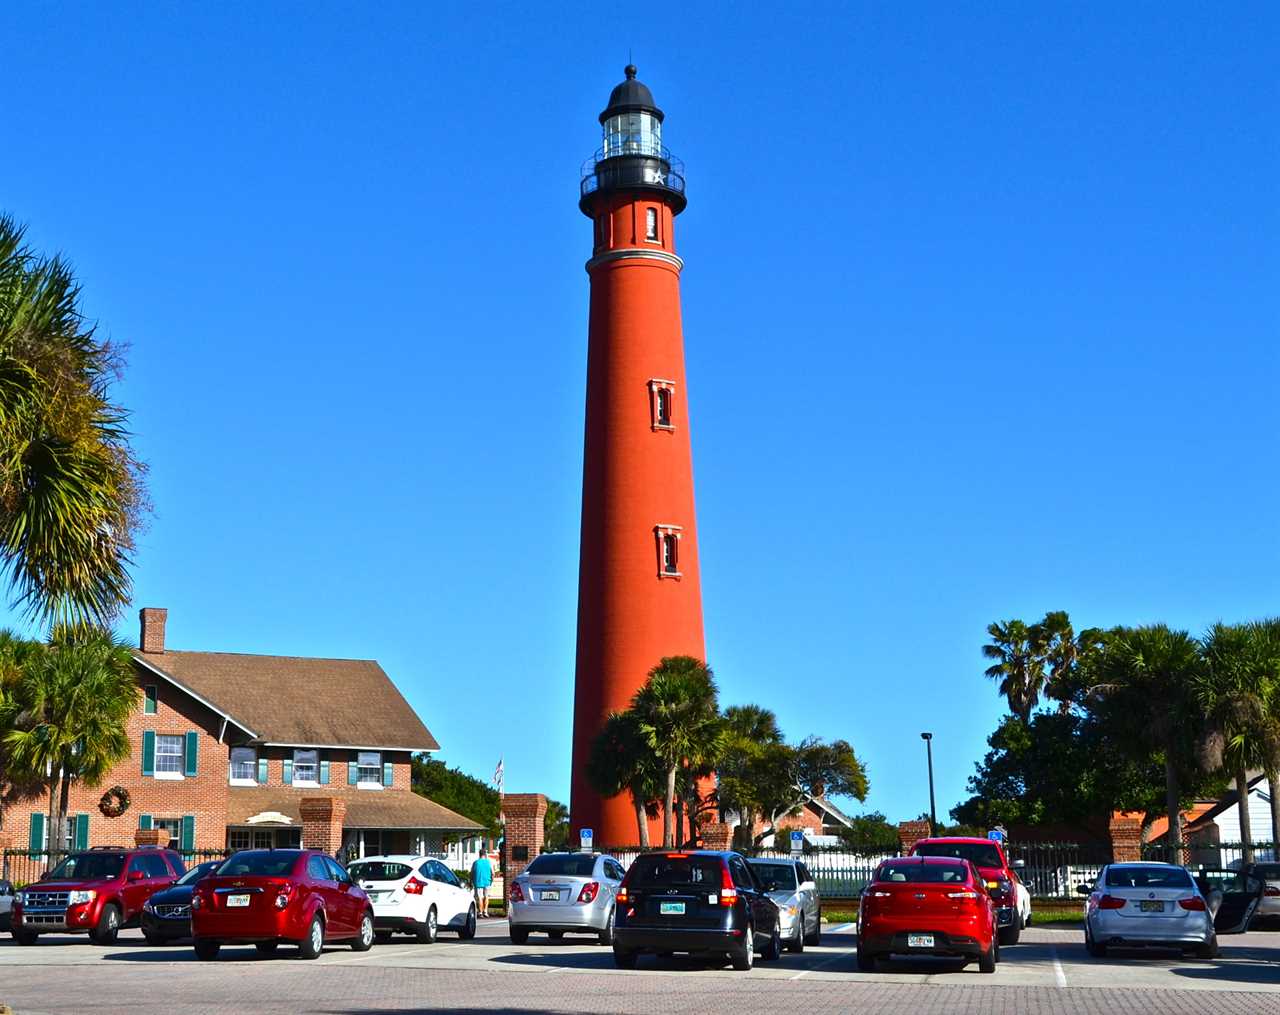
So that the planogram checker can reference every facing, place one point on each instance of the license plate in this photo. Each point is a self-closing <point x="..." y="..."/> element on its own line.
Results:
<point x="1152" y="906"/>
<point x="237" y="901"/>
<point x="671" y="909"/>
<point x="550" y="896"/>
<point x="919" y="940"/>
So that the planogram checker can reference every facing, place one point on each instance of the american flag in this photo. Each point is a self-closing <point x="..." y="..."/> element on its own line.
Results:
<point x="498" y="776"/>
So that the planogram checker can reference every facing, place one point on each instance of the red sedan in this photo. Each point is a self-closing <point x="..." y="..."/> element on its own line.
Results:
<point x="927" y="905"/>
<point x="262" y="897"/>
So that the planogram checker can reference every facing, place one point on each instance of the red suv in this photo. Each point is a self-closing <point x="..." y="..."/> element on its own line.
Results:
<point x="265" y="896"/>
<point x="926" y="905"/>
<point x="95" y="892"/>
<point x="988" y="856"/>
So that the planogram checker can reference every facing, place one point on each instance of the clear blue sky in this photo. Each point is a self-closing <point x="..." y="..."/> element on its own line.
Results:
<point x="981" y="313"/>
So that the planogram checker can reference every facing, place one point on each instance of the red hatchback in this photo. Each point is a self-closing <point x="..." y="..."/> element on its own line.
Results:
<point x="265" y="896"/>
<point x="927" y="905"/>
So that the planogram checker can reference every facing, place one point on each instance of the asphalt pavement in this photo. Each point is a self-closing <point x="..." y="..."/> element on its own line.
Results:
<point x="1048" y="972"/>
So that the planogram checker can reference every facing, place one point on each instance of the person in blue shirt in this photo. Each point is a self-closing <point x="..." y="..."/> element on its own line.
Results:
<point x="481" y="879"/>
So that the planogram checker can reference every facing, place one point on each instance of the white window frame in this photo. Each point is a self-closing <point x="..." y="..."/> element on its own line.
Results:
<point x="662" y="534"/>
<point x="656" y="385"/>
<point x="239" y="838"/>
<point x="175" y="840"/>
<point x="652" y="225"/>
<point x="313" y="759"/>
<point x="252" y="780"/>
<point x="361" y="782"/>
<point x="181" y="756"/>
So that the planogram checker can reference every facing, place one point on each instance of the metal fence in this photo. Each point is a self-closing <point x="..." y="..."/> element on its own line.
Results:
<point x="23" y="866"/>
<point x="1228" y="855"/>
<point x="1054" y="870"/>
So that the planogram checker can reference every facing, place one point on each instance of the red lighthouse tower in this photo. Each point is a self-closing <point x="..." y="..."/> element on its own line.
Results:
<point x="639" y="597"/>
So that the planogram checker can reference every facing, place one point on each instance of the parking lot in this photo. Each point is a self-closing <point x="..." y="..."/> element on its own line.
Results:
<point x="1048" y="972"/>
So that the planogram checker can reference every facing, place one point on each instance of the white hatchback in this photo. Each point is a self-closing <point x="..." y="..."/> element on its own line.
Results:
<point x="415" y="895"/>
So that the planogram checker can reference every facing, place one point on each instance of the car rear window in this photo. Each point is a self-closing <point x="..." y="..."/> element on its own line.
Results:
<point x="89" y="865"/>
<point x="666" y="870"/>
<point x="379" y="871"/>
<point x="1147" y="877"/>
<point x="923" y="873"/>
<point x="978" y="854"/>
<point x="270" y="862"/>
<point x="783" y="875"/>
<point x="564" y="865"/>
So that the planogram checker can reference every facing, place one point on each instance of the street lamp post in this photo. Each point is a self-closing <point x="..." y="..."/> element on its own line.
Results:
<point x="933" y="814"/>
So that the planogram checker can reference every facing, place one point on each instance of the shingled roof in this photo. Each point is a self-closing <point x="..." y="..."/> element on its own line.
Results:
<point x="305" y="702"/>
<point x="392" y="808"/>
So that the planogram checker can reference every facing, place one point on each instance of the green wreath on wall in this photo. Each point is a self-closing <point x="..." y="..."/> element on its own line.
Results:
<point x="114" y="802"/>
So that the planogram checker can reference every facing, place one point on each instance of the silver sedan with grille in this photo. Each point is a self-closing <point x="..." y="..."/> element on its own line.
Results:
<point x="561" y="893"/>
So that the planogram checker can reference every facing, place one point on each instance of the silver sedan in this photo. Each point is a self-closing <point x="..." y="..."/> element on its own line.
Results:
<point x="1147" y="904"/>
<point x="791" y="886"/>
<point x="563" y="893"/>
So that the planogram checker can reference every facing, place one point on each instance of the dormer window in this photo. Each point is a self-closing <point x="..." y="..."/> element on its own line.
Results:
<point x="244" y="766"/>
<point x="662" y="397"/>
<point x="306" y="767"/>
<point x="668" y="537"/>
<point x="651" y="224"/>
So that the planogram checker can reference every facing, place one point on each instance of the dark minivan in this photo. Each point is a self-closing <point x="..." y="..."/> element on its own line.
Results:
<point x="699" y="901"/>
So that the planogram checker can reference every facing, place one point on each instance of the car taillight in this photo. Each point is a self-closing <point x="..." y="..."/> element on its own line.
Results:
<point x="962" y="895"/>
<point x="1194" y="903"/>
<point x="728" y="894"/>
<point x="414" y="887"/>
<point x="196" y="902"/>
<point x="284" y="892"/>
<point x="1271" y="891"/>
<point x="589" y="892"/>
<point x="880" y="895"/>
<point x="622" y="894"/>
<point x="516" y="894"/>
<point x="1110" y="902"/>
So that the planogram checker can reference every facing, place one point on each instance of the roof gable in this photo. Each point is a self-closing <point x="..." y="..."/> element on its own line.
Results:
<point x="297" y="701"/>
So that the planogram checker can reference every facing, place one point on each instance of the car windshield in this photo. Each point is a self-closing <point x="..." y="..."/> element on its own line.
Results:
<point x="1147" y="877"/>
<point x="667" y="870"/>
<point x="89" y="865"/>
<point x="922" y="873"/>
<point x="980" y="854"/>
<point x="198" y="872"/>
<point x="783" y="875"/>
<point x="378" y="870"/>
<point x="563" y="865"/>
<point x="271" y="862"/>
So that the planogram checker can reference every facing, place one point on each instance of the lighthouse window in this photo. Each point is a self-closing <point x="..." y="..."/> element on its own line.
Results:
<point x="662" y="396"/>
<point x="651" y="223"/>
<point x="670" y="552"/>
<point x="664" y="407"/>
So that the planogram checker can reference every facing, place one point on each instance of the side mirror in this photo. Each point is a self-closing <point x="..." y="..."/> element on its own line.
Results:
<point x="137" y="876"/>
<point x="1018" y="864"/>
<point x="1084" y="890"/>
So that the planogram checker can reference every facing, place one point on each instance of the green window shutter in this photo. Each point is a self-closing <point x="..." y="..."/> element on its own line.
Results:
<point x="188" y="837"/>
<point x="150" y="700"/>
<point x="82" y="831"/>
<point x="353" y="773"/>
<point x="144" y="821"/>
<point x="192" y="753"/>
<point x="288" y="773"/>
<point x="149" y="753"/>
<point x="324" y="772"/>
<point x="262" y="771"/>
<point x="387" y="776"/>
<point x="37" y="832"/>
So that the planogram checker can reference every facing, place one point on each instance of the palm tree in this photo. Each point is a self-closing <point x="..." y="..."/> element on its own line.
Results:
<point x="1267" y="633"/>
<point x="76" y="698"/>
<point x="16" y="655"/>
<point x="1234" y="692"/>
<point x="70" y="488"/>
<point x="750" y="730"/>
<point x="679" y="717"/>
<point x="622" y="762"/>
<point x="1017" y="665"/>
<point x="1055" y="641"/>
<point x="1147" y="689"/>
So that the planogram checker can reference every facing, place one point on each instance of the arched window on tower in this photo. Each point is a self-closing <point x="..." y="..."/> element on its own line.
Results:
<point x="651" y="224"/>
<point x="662" y="399"/>
<point x="664" y="407"/>
<point x="668" y="550"/>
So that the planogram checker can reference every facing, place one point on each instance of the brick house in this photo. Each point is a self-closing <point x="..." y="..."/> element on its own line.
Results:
<point x="234" y="751"/>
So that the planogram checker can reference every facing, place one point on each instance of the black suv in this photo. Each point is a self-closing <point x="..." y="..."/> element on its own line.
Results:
<point x="701" y="902"/>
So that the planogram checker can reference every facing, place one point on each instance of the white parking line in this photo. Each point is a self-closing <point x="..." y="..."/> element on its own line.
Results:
<point x="374" y="953"/>
<point x="843" y="954"/>
<point x="1059" y="974"/>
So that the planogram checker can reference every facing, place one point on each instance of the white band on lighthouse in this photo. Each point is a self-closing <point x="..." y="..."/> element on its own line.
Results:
<point x="636" y="253"/>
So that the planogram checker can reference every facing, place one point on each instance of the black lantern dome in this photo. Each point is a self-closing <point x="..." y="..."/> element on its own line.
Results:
<point x="633" y="157"/>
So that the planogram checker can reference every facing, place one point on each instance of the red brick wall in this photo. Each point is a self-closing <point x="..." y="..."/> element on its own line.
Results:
<point x="524" y="813"/>
<point x="911" y="832"/>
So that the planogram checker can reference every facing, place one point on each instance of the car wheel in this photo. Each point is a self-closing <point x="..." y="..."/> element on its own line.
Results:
<point x="624" y="959"/>
<point x="266" y="948"/>
<point x="1208" y="950"/>
<point x="745" y="956"/>
<point x="468" y="929"/>
<point x="25" y="937"/>
<point x="866" y="961"/>
<point x="364" y="940"/>
<point x="1094" y="949"/>
<point x="431" y="929"/>
<point x="108" y="928"/>
<point x="206" y="951"/>
<point x="606" y="935"/>
<point x="987" y="960"/>
<point x="816" y="937"/>
<point x="796" y="944"/>
<point x="1009" y="935"/>
<point x="773" y="950"/>
<point x="312" y="945"/>
<point x="519" y="936"/>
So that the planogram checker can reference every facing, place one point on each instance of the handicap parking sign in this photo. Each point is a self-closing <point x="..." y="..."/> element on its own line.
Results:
<point x="797" y="841"/>
<point x="585" y="837"/>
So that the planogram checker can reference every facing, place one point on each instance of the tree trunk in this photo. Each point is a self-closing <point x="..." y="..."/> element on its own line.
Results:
<point x="1273" y="782"/>
<point x="50" y="825"/>
<point x="668" y="810"/>
<point x="680" y="809"/>
<point x="642" y="821"/>
<point x="1246" y="830"/>
<point x="64" y="804"/>
<point x="1172" y="810"/>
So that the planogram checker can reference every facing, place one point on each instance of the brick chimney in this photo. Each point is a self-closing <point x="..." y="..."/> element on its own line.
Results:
<point x="152" y="637"/>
